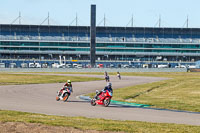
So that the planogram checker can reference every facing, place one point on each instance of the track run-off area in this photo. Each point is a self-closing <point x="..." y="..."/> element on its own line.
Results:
<point x="40" y="98"/>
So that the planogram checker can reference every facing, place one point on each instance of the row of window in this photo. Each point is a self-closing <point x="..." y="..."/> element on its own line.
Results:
<point x="108" y="45"/>
<point x="101" y="34"/>
<point x="102" y="50"/>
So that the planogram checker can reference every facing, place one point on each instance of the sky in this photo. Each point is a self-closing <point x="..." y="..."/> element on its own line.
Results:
<point x="145" y="13"/>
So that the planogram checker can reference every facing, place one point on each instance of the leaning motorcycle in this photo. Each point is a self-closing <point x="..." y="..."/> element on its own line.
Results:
<point x="63" y="94"/>
<point x="104" y="98"/>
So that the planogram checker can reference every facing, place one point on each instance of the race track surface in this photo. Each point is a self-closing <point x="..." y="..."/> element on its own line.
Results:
<point x="40" y="98"/>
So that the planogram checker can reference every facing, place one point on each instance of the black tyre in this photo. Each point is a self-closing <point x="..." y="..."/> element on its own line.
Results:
<point x="93" y="103"/>
<point x="106" y="102"/>
<point x="57" y="98"/>
<point x="65" y="97"/>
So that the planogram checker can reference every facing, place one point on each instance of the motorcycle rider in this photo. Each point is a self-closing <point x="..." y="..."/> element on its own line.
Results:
<point x="68" y="84"/>
<point x="106" y="76"/>
<point x="118" y="75"/>
<point x="108" y="87"/>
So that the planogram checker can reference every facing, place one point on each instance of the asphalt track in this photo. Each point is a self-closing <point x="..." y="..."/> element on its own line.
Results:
<point x="40" y="98"/>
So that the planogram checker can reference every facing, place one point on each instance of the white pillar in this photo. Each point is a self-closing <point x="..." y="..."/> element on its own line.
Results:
<point x="60" y="59"/>
<point x="64" y="59"/>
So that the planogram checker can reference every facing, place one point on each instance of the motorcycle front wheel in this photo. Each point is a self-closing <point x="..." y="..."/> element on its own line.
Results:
<point x="57" y="98"/>
<point x="65" y="97"/>
<point x="106" y="102"/>
<point x="93" y="103"/>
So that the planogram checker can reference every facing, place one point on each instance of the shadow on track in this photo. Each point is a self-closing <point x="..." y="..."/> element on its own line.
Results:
<point x="77" y="101"/>
<point x="122" y="106"/>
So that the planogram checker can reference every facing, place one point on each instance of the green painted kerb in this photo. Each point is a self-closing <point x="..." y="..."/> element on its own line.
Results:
<point x="117" y="102"/>
<point x="129" y="104"/>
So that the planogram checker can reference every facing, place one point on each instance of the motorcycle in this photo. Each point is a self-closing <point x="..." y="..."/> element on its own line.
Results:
<point x="64" y="94"/>
<point x="104" y="98"/>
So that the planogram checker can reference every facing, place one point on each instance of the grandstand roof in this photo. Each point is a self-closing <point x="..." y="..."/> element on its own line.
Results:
<point x="86" y="29"/>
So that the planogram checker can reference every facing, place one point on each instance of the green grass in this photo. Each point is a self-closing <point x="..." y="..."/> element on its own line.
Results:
<point x="17" y="79"/>
<point x="87" y="73"/>
<point x="181" y="92"/>
<point x="96" y="124"/>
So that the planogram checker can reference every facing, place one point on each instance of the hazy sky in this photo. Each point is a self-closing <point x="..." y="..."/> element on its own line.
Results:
<point x="118" y="12"/>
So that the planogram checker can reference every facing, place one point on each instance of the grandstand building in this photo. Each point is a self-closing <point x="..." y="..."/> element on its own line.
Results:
<point x="112" y="43"/>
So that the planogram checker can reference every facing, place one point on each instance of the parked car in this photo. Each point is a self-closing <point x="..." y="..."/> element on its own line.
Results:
<point x="112" y="66"/>
<point x="126" y="66"/>
<point x="68" y="65"/>
<point x="34" y="65"/>
<point x="163" y="66"/>
<point x="180" y="66"/>
<point x="79" y="66"/>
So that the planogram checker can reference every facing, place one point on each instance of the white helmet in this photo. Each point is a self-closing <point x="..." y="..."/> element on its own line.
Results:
<point x="109" y="84"/>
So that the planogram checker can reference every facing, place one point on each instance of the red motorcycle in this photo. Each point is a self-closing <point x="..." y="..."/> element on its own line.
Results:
<point x="104" y="98"/>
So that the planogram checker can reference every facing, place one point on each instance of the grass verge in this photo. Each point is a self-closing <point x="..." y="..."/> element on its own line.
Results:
<point x="181" y="92"/>
<point x="95" y="124"/>
<point x="18" y="79"/>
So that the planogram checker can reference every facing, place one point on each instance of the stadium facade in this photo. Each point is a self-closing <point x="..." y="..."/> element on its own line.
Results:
<point x="112" y="43"/>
